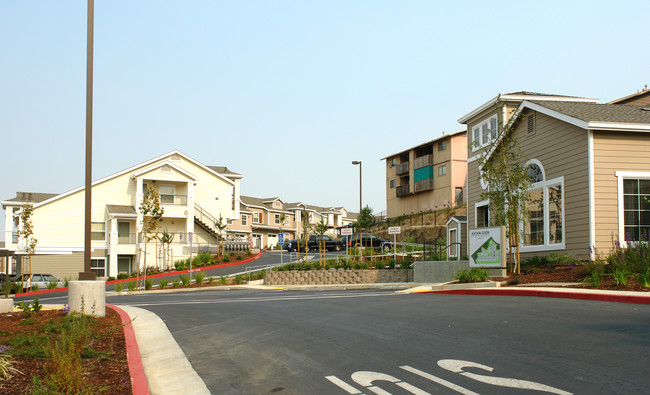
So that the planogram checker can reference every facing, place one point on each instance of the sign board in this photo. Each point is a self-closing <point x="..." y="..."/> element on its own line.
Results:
<point x="346" y="231"/>
<point x="487" y="247"/>
<point x="280" y="239"/>
<point x="394" y="230"/>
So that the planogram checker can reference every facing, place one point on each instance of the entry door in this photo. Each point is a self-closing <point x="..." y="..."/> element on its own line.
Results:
<point x="257" y="241"/>
<point x="453" y="249"/>
<point x="124" y="264"/>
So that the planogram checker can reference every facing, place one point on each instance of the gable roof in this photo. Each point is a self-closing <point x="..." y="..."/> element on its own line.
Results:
<point x="519" y="97"/>
<point x="596" y="116"/>
<point x="640" y="98"/>
<point x="132" y="168"/>
<point x="225" y="171"/>
<point x="32" y="197"/>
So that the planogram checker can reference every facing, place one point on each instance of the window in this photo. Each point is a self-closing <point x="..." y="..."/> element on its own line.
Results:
<point x="636" y="209"/>
<point x="256" y="218"/>
<point x="244" y="219"/>
<point x="98" y="266"/>
<point x="544" y="227"/>
<point x="98" y="231"/>
<point x="392" y="162"/>
<point x="459" y="196"/>
<point x="277" y="219"/>
<point x="484" y="133"/>
<point x="393" y="183"/>
<point x="166" y="194"/>
<point x="442" y="145"/>
<point x="442" y="170"/>
<point x="482" y="210"/>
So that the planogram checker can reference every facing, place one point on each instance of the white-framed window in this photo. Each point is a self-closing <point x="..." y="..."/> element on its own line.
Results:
<point x="484" y="132"/>
<point x="244" y="219"/>
<point x="98" y="266"/>
<point x="277" y="219"/>
<point x="393" y="183"/>
<point x="482" y="214"/>
<point x="442" y="170"/>
<point x="166" y="193"/>
<point x="256" y="217"/>
<point x="544" y="227"/>
<point x="633" y="206"/>
<point x="98" y="231"/>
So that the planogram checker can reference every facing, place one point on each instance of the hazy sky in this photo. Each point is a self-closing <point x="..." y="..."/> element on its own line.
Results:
<point x="287" y="93"/>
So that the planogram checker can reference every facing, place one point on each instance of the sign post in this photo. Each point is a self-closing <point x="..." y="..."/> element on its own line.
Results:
<point x="346" y="232"/>
<point x="281" y="244"/>
<point x="394" y="230"/>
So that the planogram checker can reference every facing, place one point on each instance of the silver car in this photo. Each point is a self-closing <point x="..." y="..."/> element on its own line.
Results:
<point x="43" y="281"/>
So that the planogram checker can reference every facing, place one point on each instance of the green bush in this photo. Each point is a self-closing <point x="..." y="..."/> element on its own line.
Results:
<point x="535" y="261"/>
<point x="176" y="283"/>
<point x="478" y="274"/>
<point x="199" y="277"/>
<point x="226" y="258"/>
<point x="119" y="287"/>
<point x="240" y="257"/>
<point x="148" y="284"/>
<point x="122" y="276"/>
<point x="185" y="279"/>
<point x="131" y="285"/>
<point x="239" y="279"/>
<point x="162" y="284"/>
<point x="202" y="259"/>
<point x="223" y="280"/>
<point x="620" y="276"/>
<point x="644" y="278"/>
<point x="248" y="252"/>
<point x="635" y="258"/>
<point x="210" y="280"/>
<point x="462" y="276"/>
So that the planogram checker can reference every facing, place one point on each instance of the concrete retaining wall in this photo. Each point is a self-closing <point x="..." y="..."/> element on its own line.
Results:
<point x="314" y="277"/>
<point x="438" y="271"/>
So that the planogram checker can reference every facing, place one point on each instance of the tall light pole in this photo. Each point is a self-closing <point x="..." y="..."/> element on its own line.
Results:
<point x="87" y="274"/>
<point x="358" y="162"/>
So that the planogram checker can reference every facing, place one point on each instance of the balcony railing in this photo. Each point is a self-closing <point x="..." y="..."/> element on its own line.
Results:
<point x="14" y="237"/>
<point x="402" y="190"/>
<point x="426" y="160"/>
<point x="402" y="168"/>
<point x="424" y="185"/>
<point x="178" y="200"/>
<point x="130" y="238"/>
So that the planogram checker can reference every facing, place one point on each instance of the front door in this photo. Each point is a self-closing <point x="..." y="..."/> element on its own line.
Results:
<point x="124" y="264"/>
<point x="257" y="241"/>
<point x="453" y="252"/>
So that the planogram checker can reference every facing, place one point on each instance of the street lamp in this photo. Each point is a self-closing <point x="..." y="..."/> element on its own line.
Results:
<point x="358" y="162"/>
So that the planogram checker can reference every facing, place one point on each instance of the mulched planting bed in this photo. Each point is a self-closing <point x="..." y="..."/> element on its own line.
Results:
<point x="106" y="373"/>
<point x="567" y="274"/>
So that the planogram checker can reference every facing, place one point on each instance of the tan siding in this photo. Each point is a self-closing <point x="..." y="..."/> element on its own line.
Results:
<point x="563" y="151"/>
<point x="614" y="151"/>
<point x="62" y="266"/>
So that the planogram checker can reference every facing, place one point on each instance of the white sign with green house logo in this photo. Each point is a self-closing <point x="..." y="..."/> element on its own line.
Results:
<point x="487" y="247"/>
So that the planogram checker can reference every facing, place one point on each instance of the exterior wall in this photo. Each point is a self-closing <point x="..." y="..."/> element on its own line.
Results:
<point x="61" y="266"/>
<point x="454" y="158"/>
<point x="614" y="151"/>
<point x="312" y="277"/>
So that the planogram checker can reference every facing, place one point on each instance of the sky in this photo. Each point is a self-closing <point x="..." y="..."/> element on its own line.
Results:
<point x="287" y="93"/>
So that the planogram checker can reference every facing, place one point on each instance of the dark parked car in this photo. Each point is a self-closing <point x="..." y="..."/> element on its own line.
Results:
<point x="316" y="241"/>
<point x="292" y="245"/>
<point x="366" y="240"/>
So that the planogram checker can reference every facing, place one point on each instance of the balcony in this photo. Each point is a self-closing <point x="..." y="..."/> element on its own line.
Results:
<point x="426" y="160"/>
<point x="402" y="168"/>
<point x="402" y="190"/>
<point x="177" y="200"/>
<point x="424" y="185"/>
<point x="130" y="238"/>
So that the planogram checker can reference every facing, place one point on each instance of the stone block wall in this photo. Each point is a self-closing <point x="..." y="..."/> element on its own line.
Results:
<point x="318" y="277"/>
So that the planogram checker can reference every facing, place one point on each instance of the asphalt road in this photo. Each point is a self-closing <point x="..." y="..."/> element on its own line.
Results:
<point x="347" y="342"/>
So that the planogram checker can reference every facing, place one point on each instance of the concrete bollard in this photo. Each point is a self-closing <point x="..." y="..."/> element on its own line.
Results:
<point x="6" y="305"/>
<point x="87" y="297"/>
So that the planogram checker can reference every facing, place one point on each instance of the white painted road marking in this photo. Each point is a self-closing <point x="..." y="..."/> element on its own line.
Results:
<point x="343" y="385"/>
<point x="438" y="380"/>
<point x="367" y="378"/>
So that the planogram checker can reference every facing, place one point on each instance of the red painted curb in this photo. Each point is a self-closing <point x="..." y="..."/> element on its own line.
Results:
<point x="637" y="299"/>
<point x="47" y="291"/>
<point x="136" y="371"/>
<point x="198" y="269"/>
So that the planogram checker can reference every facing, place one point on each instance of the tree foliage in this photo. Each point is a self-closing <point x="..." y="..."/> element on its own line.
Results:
<point x="503" y="169"/>
<point x="27" y="228"/>
<point x="321" y="229"/>
<point x="365" y="220"/>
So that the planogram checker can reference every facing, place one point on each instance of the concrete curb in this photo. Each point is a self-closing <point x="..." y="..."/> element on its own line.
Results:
<point x="165" y="365"/>
<point x="136" y="371"/>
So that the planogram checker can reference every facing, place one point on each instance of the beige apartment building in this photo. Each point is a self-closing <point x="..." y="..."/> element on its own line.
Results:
<point x="588" y="164"/>
<point x="427" y="177"/>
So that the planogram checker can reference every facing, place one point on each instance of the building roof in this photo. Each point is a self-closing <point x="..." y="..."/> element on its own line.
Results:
<point x="260" y="202"/>
<point x="639" y="96"/>
<point x="118" y="210"/>
<point x="223" y="170"/>
<point x="32" y="197"/>
<point x="428" y="142"/>
<point x="594" y="112"/>
<point x="519" y="97"/>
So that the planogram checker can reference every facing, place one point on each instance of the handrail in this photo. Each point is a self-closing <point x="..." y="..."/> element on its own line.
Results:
<point x="202" y="213"/>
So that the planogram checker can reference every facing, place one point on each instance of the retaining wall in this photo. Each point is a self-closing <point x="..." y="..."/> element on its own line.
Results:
<point x="315" y="277"/>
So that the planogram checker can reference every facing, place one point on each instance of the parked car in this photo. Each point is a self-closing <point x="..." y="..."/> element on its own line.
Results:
<point x="367" y="240"/>
<point x="41" y="280"/>
<point x="292" y="245"/>
<point x="329" y="244"/>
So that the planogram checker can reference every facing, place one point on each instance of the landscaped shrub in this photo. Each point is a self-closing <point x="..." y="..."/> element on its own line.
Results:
<point x="240" y="257"/>
<point x="223" y="280"/>
<point x="248" y="252"/>
<point x="239" y="279"/>
<point x="131" y="285"/>
<point x="472" y="275"/>
<point x="185" y="279"/>
<point x="122" y="276"/>
<point x="182" y="264"/>
<point x="202" y="259"/>
<point x="119" y="287"/>
<point x="226" y="258"/>
<point x="620" y="275"/>
<point x="199" y="277"/>
<point x="535" y="261"/>
<point x="635" y="258"/>
<point x="176" y="283"/>
<point x="162" y="284"/>
<point x="644" y="278"/>
<point x="148" y="284"/>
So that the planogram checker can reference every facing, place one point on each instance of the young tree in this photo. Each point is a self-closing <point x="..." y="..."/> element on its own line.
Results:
<point x="306" y="226"/>
<point x="503" y="169"/>
<point x="166" y="240"/>
<point x="27" y="233"/>
<point x="321" y="228"/>
<point x="220" y="225"/>
<point x="364" y="222"/>
<point x="152" y="211"/>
